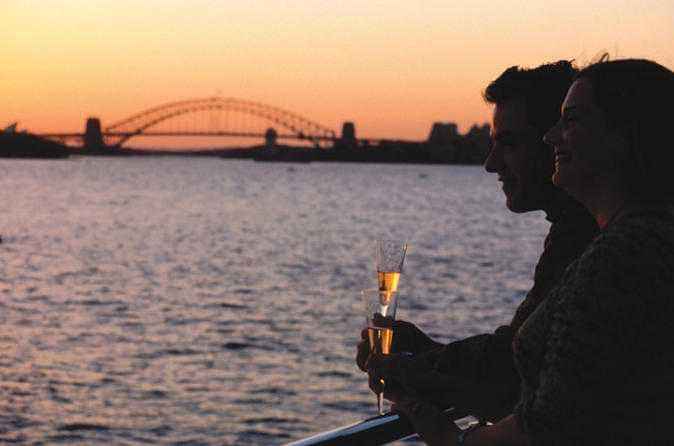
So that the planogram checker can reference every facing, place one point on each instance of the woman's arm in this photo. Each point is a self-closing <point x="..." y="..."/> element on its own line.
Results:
<point x="437" y="430"/>
<point x="506" y="432"/>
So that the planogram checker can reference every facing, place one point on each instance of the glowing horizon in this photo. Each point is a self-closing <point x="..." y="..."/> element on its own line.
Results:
<point x="392" y="68"/>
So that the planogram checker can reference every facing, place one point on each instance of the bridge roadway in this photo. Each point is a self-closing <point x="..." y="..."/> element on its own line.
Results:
<point x="190" y="134"/>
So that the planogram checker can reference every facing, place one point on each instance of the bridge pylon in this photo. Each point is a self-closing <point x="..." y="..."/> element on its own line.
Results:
<point x="93" y="136"/>
<point x="270" y="137"/>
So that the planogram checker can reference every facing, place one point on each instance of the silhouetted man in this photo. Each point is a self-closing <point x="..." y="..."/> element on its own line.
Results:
<point x="477" y="373"/>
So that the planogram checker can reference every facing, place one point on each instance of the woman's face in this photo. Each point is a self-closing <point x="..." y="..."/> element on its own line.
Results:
<point x="583" y="146"/>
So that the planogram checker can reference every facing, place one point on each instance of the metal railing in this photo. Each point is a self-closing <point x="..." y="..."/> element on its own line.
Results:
<point x="371" y="432"/>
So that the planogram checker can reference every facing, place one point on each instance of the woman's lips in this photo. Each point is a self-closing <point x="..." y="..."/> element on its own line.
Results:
<point x="562" y="157"/>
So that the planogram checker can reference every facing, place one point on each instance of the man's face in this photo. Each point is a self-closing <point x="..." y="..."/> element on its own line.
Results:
<point x="518" y="156"/>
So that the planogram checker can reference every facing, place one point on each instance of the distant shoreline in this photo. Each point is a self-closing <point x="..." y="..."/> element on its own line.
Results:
<point x="467" y="149"/>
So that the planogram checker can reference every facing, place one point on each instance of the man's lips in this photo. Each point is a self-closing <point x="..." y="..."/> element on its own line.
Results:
<point x="508" y="184"/>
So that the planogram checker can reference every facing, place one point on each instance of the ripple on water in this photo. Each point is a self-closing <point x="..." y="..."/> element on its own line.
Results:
<point x="232" y="306"/>
<point x="154" y="395"/>
<point x="344" y="406"/>
<point x="72" y="427"/>
<point x="236" y="346"/>
<point x="334" y="374"/>
<point x="276" y="391"/>
<point x="271" y="420"/>
<point x="168" y="352"/>
<point x="255" y="436"/>
<point x="184" y="321"/>
<point x="88" y="302"/>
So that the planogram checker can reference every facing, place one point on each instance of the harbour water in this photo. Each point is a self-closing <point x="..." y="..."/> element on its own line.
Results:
<point x="201" y="301"/>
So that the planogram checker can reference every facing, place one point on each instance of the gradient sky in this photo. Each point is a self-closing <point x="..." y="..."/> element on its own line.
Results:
<point x="393" y="67"/>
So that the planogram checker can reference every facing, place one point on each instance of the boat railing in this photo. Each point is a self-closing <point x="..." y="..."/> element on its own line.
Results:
<point x="375" y="431"/>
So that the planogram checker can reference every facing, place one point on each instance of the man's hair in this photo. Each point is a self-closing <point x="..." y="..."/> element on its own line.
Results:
<point x="542" y="89"/>
<point x="636" y="96"/>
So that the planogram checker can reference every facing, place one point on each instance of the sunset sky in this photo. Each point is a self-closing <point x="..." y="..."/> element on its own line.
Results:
<point x="393" y="67"/>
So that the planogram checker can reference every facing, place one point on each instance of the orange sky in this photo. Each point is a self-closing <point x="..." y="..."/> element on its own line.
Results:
<point x="393" y="67"/>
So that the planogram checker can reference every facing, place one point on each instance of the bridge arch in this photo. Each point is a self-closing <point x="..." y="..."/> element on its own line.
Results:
<point x="299" y="126"/>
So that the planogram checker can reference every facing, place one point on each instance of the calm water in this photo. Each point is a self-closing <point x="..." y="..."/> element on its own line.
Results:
<point x="206" y="301"/>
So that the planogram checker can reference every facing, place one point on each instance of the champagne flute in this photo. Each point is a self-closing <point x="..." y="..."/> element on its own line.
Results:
<point x="380" y="311"/>
<point x="389" y="258"/>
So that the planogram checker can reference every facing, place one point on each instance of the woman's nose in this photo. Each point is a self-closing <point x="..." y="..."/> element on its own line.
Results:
<point x="551" y="137"/>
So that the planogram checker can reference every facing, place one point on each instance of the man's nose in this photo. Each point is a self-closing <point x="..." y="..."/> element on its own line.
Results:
<point x="494" y="161"/>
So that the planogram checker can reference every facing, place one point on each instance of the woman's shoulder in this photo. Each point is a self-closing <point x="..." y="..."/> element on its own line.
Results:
<point x="633" y="256"/>
<point x="660" y="218"/>
<point x="648" y="232"/>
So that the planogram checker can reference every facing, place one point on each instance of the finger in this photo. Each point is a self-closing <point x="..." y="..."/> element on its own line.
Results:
<point x="432" y="387"/>
<point x="384" y="364"/>
<point x="393" y="392"/>
<point x="403" y="337"/>
<point x="428" y="421"/>
<point x="407" y="407"/>
<point x="362" y="354"/>
<point x="376" y="383"/>
<point x="382" y="321"/>
<point x="399" y="323"/>
<point x="423" y="376"/>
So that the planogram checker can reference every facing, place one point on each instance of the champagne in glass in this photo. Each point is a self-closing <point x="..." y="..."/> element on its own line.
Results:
<point x="388" y="281"/>
<point x="390" y="257"/>
<point x="381" y="339"/>
<point x="380" y="310"/>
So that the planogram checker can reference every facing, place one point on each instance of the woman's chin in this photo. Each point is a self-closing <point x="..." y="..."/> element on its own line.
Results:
<point x="566" y="182"/>
<point x="560" y="177"/>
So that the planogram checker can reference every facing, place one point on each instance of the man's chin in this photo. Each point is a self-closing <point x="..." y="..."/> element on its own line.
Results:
<point x="518" y="205"/>
<point x="515" y="208"/>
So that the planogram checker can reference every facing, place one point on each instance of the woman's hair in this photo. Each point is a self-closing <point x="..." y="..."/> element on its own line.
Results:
<point x="637" y="98"/>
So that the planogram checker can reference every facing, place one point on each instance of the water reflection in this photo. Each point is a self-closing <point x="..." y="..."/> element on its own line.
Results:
<point x="182" y="300"/>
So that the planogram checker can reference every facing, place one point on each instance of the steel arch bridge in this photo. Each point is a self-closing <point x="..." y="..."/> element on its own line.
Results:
<point x="295" y="126"/>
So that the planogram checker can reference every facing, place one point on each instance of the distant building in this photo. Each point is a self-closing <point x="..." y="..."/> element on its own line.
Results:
<point x="443" y="133"/>
<point x="25" y="145"/>
<point x="10" y="128"/>
<point x="478" y="137"/>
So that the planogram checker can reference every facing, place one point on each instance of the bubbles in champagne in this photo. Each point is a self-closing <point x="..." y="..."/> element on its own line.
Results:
<point x="388" y="284"/>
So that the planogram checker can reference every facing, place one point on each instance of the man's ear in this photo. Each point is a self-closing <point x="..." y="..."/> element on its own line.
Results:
<point x="543" y="159"/>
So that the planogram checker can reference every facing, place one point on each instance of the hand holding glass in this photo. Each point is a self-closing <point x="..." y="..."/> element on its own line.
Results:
<point x="380" y="311"/>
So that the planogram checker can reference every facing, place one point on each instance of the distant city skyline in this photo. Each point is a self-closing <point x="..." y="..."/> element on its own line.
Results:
<point x="394" y="68"/>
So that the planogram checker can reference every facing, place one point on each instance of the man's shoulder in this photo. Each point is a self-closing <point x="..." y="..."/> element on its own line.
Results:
<point x="567" y="239"/>
<point x="576" y="225"/>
